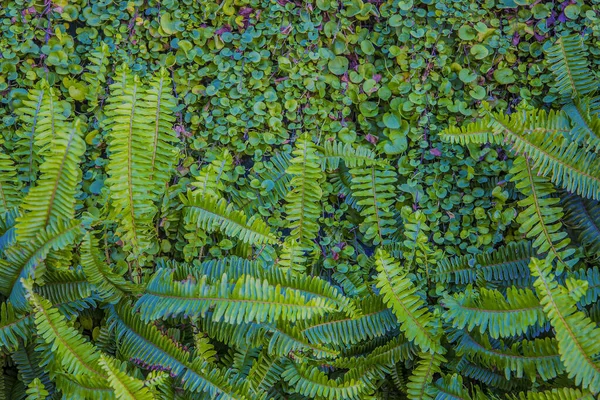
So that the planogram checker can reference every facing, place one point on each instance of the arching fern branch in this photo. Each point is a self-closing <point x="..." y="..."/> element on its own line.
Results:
<point x="334" y="152"/>
<point x="534" y="358"/>
<point x="131" y="135"/>
<point x="247" y="299"/>
<point x="400" y="294"/>
<point x="158" y="103"/>
<point x="540" y="218"/>
<point x="554" y="394"/>
<point x="583" y="216"/>
<point x="303" y="201"/>
<point x="26" y="260"/>
<point x="567" y="61"/>
<point x="505" y="265"/>
<point x="53" y="196"/>
<point x="374" y="188"/>
<point x="491" y="312"/>
<point x="576" y="334"/>
<point x="125" y="386"/>
<point x="419" y="386"/>
<point x="309" y="381"/>
<point x="585" y="123"/>
<point x="111" y="286"/>
<point x="211" y="213"/>
<point x="10" y="190"/>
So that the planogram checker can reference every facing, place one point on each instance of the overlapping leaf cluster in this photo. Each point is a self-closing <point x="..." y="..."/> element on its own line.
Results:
<point x="223" y="204"/>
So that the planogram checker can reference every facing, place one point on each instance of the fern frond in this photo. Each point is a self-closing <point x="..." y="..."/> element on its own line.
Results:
<point x="576" y="334"/>
<point x="211" y="213"/>
<point x="10" y="190"/>
<point x="478" y="132"/>
<point x="14" y="327"/>
<point x="74" y="354"/>
<point x="540" y="218"/>
<point x="235" y="267"/>
<point x="374" y="320"/>
<point x="95" y="74"/>
<point x="592" y="278"/>
<point x="583" y="215"/>
<point x="213" y="177"/>
<point x="491" y="312"/>
<point x="126" y="387"/>
<point x="554" y="394"/>
<point x="130" y="137"/>
<point x="247" y="299"/>
<point x="53" y="197"/>
<point x="585" y="123"/>
<point x="36" y="390"/>
<point x="419" y="386"/>
<point x="145" y="344"/>
<point x="42" y="117"/>
<point x="309" y="381"/>
<point x="525" y="358"/>
<point x="567" y="61"/>
<point x="158" y="102"/>
<point x="303" y="201"/>
<point x="374" y="189"/>
<point x="22" y="260"/>
<point x="265" y="372"/>
<point x="111" y="286"/>
<point x="82" y="386"/>
<point x="451" y="387"/>
<point x="400" y="294"/>
<point x="507" y="264"/>
<point x="286" y="339"/>
<point x="334" y="152"/>
<point x="487" y="376"/>
<point x="551" y="155"/>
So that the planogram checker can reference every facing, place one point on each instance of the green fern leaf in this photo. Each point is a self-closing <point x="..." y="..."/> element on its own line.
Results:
<point x="303" y="201"/>
<point x="14" y="327"/>
<point x="23" y="260"/>
<point x="309" y="381"/>
<point x="585" y="122"/>
<point x="506" y="265"/>
<point x="491" y="312"/>
<point x="334" y="152"/>
<point x="36" y="390"/>
<point x="374" y="320"/>
<point x="111" y="286"/>
<point x="540" y="218"/>
<point x="247" y="299"/>
<point x="419" y="386"/>
<point x="211" y="213"/>
<point x="583" y="215"/>
<point x="158" y="102"/>
<point x="374" y="189"/>
<point x="576" y="334"/>
<point x="534" y="358"/>
<point x="130" y="136"/>
<point x="554" y="394"/>
<point x="10" y="190"/>
<point x="567" y="60"/>
<point x="400" y="294"/>
<point x="53" y="196"/>
<point x="125" y="386"/>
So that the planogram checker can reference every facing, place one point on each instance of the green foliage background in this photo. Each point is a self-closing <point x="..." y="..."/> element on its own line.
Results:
<point x="255" y="89"/>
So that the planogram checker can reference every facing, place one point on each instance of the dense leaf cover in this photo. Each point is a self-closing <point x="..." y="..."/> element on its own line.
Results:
<point x="252" y="199"/>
